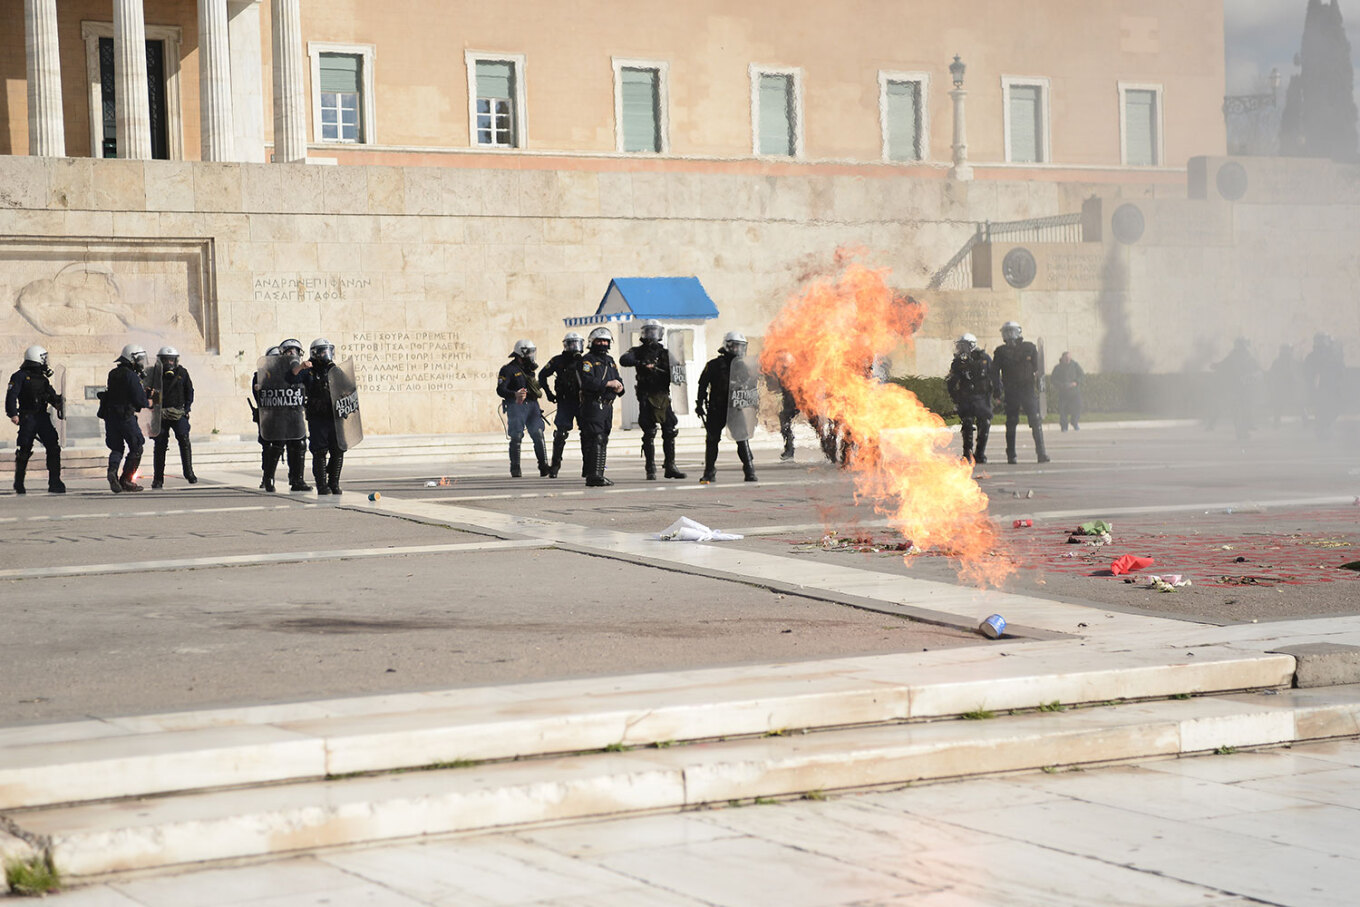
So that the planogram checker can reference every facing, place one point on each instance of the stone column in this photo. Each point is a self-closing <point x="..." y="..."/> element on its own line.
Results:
<point x="46" y="127"/>
<point x="961" y="169"/>
<point x="290" y="127"/>
<point x="247" y="78"/>
<point x="132" y="108"/>
<point x="214" y="82"/>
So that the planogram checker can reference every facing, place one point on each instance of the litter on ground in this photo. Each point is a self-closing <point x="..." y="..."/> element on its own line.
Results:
<point x="687" y="530"/>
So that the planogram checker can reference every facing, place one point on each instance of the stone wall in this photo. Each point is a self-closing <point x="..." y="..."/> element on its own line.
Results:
<point x="426" y="276"/>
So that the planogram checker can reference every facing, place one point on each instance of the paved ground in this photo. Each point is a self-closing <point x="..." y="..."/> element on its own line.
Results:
<point x="1269" y="827"/>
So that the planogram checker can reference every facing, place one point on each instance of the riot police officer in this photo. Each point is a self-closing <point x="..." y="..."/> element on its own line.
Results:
<point x="971" y="385"/>
<point x="653" y="364"/>
<point x="314" y="374"/>
<point x="1017" y="365"/>
<point x="566" y="393"/>
<point x="26" y="401"/>
<point x="712" y="405"/>
<point x="296" y="449"/>
<point x="601" y="385"/>
<point x="119" y="404"/>
<point x="517" y="385"/>
<point x="176" y="399"/>
<point x="270" y="451"/>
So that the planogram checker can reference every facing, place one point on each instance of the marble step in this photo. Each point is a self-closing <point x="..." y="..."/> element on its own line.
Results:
<point x="134" y="834"/>
<point x="149" y="755"/>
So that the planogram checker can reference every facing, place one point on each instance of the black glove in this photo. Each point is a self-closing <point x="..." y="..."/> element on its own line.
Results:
<point x="549" y="394"/>
<point x="59" y="404"/>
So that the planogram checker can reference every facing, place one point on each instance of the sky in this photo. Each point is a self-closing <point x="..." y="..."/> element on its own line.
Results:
<point x="1259" y="34"/>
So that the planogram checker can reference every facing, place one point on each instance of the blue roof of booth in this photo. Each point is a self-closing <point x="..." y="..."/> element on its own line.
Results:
<point x="664" y="297"/>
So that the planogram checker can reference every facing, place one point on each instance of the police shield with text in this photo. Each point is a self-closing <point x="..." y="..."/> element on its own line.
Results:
<point x="1017" y="365"/>
<point x="119" y="402"/>
<point x="565" y="392"/>
<point x="601" y="385"/>
<point x="728" y="398"/>
<point x="971" y="385"/>
<point x="653" y="364"/>
<point x="173" y="399"/>
<point x="27" y="399"/>
<point x="332" y="412"/>
<point x="281" y="413"/>
<point x="519" y="390"/>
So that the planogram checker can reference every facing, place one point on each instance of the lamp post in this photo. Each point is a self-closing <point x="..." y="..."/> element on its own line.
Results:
<point x="960" y="170"/>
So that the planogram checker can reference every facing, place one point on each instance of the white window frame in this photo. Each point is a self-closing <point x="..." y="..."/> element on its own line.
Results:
<point x="367" y="105"/>
<point x="172" y="35"/>
<point x="1046" y="151"/>
<point x="1158" y="148"/>
<point x="923" y="79"/>
<point x="663" y="101"/>
<point x="521" y="117"/>
<point x="757" y="70"/>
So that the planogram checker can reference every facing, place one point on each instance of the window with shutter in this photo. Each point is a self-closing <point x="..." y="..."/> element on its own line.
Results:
<point x="902" y="100"/>
<point x="341" y="78"/>
<point x="1140" y="127"/>
<point x="1026" y="123"/>
<point x="640" y="108"/>
<point x="496" y="103"/>
<point x="776" y="115"/>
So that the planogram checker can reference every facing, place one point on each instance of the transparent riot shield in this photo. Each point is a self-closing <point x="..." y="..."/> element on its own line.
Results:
<point x="282" y="405"/>
<point x="58" y="413"/>
<point x="743" y="400"/>
<point x="155" y="392"/>
<point x="1041" y="384"/>
<point x="349" y="428"/>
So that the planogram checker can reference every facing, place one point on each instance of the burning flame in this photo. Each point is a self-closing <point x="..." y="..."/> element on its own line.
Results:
<point x="822" y="346"/>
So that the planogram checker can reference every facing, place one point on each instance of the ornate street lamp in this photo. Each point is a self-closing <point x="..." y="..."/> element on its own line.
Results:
<point x="956" y="70"/>
<point x="960" y="170"/>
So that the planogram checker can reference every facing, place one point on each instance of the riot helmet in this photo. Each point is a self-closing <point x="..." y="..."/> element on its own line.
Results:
<point x="1010" y="332"/>
<point x="734" y="344"/>
<point x="134" y="354"/>
<point x="169" y="356"/>
<point x="322" y="350"/>
<point x="290" y="347"/>
<point x="652" y="331"/>
<point x="525" y="349"/>
<point x="273" y="351"/>
<point x="601" y="339"/>
<point x="965" y="345"/>
<point x="36" y="355"/>
<point x="573" y="343"/>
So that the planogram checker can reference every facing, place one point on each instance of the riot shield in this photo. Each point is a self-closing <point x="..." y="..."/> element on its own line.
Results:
<point x="58" y="416"/>
<point x="155" y="392"/>
<point x="282" y="413"/>
<point x="743" y="400"/>
<point x="349" y="429"/>
<point x="1041" y="385"/>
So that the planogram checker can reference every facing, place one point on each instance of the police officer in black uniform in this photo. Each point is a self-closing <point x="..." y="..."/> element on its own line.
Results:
<point x="566" y="393"/>
<point x="296" y="449"/>
<point x="177" y="398"/>
<point x="313" y="374"/>
<point x="653" y="364"/>
<point x="26" y="402"/>
<point x="1017" y="365"/>
<point x="601" y="385"/>
<point x="270" y="451"/>
<point x="119" y="403"/>
<point x="711" y="407"/>
<point x="517" y="385"/>
<point x="972" y="384"/>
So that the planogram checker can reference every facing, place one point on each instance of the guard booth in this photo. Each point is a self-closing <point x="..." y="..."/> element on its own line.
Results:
<point x="682" y="306"/>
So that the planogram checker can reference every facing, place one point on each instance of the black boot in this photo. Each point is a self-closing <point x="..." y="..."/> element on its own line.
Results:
<point x="710" y="458"/>
<point x="599" y="448"/>
<point x="128" y="478"/>
<point x="540" y="454"/>
<point x="21" y="459"/>
<point x="588" y="457"/>
<point x="54" y="483"/>
<point x="269" y="461"/>
<point x="514" y="460"/>
<point x="112" y="474"/>
<point x="158" y="462"/>
<point x="787" y="454"/>
<point x="1038" y="432"/>
<point x="980" y="456"/>
<point x="1010" y="445"/>
<point x="649" y="456"/>
<point x="559" y="446"/>
<point x="966" y="432"/>
<point x="668" y="451"/>
<point x="296" y="465"/>
<point x="748" y="465"/>
<point x="319" y="474"/>
<point x="186" y="461"/>
<point x="333" y="472"/>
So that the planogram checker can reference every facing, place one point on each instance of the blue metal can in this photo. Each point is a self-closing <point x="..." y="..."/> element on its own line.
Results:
<point x="993" y="627"/>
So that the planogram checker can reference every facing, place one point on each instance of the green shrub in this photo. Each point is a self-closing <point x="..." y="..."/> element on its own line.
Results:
<point x="930" y="391"/>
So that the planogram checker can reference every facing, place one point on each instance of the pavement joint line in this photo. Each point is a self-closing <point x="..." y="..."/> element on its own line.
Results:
<point x="59" y="517"/>
<point x="1219" y="507"/>
<point x="649" y="489"/>
<point x="281" y="557"/>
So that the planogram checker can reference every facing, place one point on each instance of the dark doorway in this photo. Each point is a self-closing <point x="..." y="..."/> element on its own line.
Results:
<point x="155" y="82"/>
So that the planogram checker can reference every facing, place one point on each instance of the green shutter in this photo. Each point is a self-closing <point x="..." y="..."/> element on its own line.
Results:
<point x="1140" y="127"/>
<point x="1026" y="124"/>
<point x="776" y="115"/>
<point x="496" y="79"/>
<point x="340" y="72"/>
<point x="640" y="94"/>
<point x="904" y="121"/>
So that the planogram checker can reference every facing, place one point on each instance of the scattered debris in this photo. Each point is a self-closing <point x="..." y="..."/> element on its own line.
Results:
<point x="993" y="627"/>
<point x="1246" y="581"/>
<point x="375" y="496"/>
<point x="1095" y="527"/>
<point x="1128" y="563"/>
<point x="1022" y="524"/>
<point x="687" y="530"/>
<point x="1353" y="565"/>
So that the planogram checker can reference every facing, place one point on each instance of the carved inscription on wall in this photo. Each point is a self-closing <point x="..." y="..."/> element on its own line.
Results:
<point x="316" y="287"/>
<point x="416" y="361"/>
<point x="1072" y="270"/>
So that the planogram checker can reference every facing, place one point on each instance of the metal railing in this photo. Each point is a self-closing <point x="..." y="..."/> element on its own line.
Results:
<point x="957" y="274"/>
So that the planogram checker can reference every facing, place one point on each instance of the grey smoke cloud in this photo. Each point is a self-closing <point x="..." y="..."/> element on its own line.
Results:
<point x="1260" y="34"/>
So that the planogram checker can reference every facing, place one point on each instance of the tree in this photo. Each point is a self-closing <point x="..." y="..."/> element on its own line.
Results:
<point x="1319" y="118"/>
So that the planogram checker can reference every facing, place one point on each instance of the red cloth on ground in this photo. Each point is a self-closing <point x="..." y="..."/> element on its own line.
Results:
<point x="1129" y="563"/>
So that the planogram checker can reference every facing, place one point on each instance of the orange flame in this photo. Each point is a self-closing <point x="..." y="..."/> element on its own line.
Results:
<point x="822" y="346"/>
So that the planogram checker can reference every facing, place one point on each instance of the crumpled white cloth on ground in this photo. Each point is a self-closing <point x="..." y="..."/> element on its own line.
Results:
<point x="687" y="530"/>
